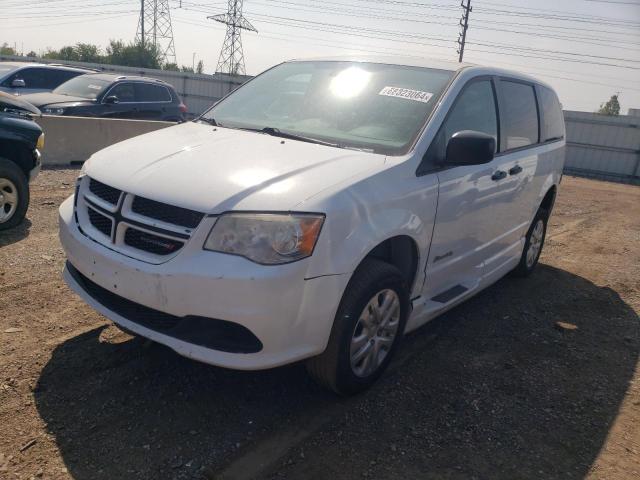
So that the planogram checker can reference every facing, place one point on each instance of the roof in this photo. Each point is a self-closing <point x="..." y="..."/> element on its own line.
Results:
<point x="412" y="61"/>
<point x="111" y="77"/>
<point x="17" y="65"/>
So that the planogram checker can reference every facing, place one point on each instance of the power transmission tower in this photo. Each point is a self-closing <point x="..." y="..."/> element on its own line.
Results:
<point x="154" y="28"/>
<point x="464" y="24"/>
<point x="231" y="59"/>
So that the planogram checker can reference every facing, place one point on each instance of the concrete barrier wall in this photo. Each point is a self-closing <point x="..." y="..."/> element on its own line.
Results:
<point x="74" y="139"/>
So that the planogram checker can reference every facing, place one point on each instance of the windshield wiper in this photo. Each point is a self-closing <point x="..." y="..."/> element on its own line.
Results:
<point x="276" y="132"/>
<point x="210" y="121"/>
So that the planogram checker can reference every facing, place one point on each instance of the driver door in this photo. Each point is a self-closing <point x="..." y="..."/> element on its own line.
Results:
<point x="467" y="230"/>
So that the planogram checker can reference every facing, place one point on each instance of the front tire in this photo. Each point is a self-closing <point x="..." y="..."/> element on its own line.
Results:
<point x="14" y="194"/>
<point x="367" y="329"/>
<point x="533" y="244"/>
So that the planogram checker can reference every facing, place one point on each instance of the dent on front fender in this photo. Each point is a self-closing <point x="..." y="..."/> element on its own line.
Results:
<point x="365" y="215"/>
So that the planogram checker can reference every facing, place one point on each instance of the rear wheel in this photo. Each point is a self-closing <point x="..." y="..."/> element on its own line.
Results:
<point x="366" y="331"/>
<point x="533" y="244"/>
<point x="14" y="194"/>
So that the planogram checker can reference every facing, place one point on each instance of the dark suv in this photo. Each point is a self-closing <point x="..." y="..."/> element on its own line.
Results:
<point x="112" y="96"/>
<point x="21" y="140"/>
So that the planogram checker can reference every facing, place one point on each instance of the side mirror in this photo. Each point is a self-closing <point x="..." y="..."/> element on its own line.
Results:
<point x="469" y="147"/>
<point x="18" y="83"/>
<point x="111" y="99"/>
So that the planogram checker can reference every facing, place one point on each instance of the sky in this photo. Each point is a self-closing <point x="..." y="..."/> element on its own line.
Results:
<point x="586" y="49"/>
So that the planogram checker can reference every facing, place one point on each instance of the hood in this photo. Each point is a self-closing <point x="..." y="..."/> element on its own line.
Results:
<point x="49" y="98"/>
<point x="211" y="170"/>
<point x="10" y="102"/>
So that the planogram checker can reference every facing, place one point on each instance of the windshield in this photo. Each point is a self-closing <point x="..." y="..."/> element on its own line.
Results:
<point x="370" y="106"/>
<point x="85" y="86"/>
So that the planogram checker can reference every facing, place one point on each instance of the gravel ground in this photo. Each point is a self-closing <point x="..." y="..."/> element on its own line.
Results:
<point x="492" y="390"/>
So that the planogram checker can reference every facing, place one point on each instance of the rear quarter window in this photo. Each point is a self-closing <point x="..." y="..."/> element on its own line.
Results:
<point x="146" y="92"/>
<point x="519" y="115"/>
<point x="552" y="118"/>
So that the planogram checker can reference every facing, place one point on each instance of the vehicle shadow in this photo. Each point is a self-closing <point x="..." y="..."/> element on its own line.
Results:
<point x="492" y="389"/>
<point x="15" y="234"/>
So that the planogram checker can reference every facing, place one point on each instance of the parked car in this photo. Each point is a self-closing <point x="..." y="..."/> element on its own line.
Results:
<point x="21" y="141"/>
<point x="23" y="78"/>
<point x="319" y="223"/>
<point x="112" y="96"/>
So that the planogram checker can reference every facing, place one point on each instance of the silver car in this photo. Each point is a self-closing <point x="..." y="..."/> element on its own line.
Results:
<point x="21" y="78"/>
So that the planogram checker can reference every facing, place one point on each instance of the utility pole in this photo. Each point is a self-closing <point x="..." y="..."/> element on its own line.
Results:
<point x="464" y="24"/>
<point x="231" y="58"/>
<point x="154" y="28"/>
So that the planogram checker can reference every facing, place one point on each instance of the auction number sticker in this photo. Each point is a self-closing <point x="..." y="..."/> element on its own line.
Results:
<point x="407" y="93"/>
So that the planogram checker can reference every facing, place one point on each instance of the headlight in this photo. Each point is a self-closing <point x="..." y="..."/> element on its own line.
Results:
<point x="53" y="110"/>
<point x="265" y="237"/>
<point x="40" y="142"/>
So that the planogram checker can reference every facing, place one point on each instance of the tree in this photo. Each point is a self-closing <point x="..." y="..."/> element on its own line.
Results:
<point x="611" y="107"/>
<point x="133" y="54"/>
<point x="32" y="54"/>
<point x="5" y="49"/>
<point x="200" y="67"/>
<point x="88" y="53"/>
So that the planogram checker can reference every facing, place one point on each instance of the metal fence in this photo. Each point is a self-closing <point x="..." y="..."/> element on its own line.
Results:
<point x="198" y="91"/>
<point x="601" y="146"/>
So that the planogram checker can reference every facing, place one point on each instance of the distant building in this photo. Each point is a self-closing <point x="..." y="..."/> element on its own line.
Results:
<point x="634" y="112"/>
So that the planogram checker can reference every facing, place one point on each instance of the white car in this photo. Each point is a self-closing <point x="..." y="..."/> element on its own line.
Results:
<point x="318" y="212"/>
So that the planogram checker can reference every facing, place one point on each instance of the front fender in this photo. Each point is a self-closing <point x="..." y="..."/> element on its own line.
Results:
<point x="20" y="130"/>
<point x="377" y="208"/>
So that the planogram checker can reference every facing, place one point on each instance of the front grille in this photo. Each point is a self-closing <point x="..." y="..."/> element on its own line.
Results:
<point x="166" y="213"/>
<point x="105" y="192"/>
<point x="151" y="243"/>
<point x="207" y="332"/>
<point x="100" y="222"/>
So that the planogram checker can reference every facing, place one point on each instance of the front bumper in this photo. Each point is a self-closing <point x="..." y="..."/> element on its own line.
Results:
<point x="290" y="315"/>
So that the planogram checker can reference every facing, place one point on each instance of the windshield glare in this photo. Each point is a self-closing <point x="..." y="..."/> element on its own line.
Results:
<point x="85" y="86"/>
<point x="355" y="105"/>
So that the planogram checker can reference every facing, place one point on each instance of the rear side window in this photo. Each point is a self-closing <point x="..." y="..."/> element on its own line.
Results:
<point x="552" y="119"/>
<point x="519" y="115"/>
<point x="474" y="109"/>
<point x="146" y="92"/>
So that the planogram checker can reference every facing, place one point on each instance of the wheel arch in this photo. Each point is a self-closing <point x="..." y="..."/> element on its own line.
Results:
<point x="401" y="251"/>
<point x="549" y="199"/>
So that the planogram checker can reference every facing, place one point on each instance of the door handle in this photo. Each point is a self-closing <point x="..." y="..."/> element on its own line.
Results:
<point x="499" y="175"/>
<point x="515" y="170"/>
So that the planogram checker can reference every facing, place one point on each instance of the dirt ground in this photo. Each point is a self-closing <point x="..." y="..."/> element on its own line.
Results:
<point x="491" y="390"/>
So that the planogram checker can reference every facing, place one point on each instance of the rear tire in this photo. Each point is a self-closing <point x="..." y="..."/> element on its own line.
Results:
<point x="14" y="194"/>
<point x="533" y="244"/>
<point x="367" y="329"/>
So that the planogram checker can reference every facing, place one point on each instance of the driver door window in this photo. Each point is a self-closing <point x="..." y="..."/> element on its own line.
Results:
<point x="474" y="109"/>
<point x="124" y="91"/>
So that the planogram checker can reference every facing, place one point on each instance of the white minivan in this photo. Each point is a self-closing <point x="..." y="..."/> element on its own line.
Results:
<point x="318" y="212"/>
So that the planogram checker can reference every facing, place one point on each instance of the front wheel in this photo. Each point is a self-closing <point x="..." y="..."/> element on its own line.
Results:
<point x="533" y="244"/>
<point x="367" y="329"/>
<point x="14" y="194"/>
